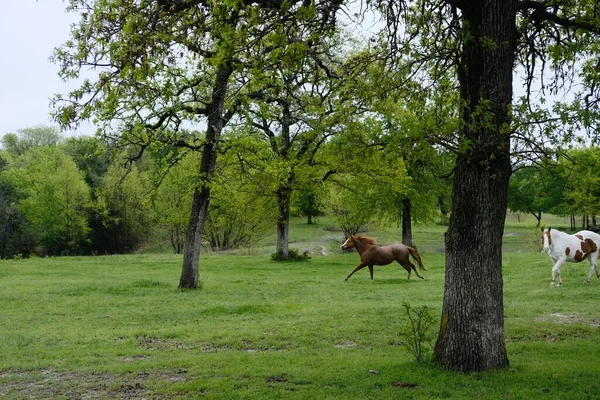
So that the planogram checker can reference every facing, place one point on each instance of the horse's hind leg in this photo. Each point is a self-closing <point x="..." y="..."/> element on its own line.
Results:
<point x="414" y="268"/>
<point x="593" y="267"/>
<point x="408" y="266"/>
<point x="360" y="266"/>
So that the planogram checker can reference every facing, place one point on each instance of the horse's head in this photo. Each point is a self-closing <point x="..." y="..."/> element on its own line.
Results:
<point x="349" y="243"/>
<point x="546" y="239"/>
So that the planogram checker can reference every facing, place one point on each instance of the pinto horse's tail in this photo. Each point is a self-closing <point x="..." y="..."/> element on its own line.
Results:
<point x="417" y="257"/>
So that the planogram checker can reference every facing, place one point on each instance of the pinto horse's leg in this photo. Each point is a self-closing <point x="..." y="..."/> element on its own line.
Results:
<point x="371" y="271"/>
<point x="556" y="270"/>
<point x="592" y="268"/>
<point x="360" y="266"/>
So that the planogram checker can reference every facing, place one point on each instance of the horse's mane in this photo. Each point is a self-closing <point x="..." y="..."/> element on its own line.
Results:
<point x="365" y="239"/>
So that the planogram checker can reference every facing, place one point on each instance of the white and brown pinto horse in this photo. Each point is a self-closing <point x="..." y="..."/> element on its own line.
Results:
<point x="563" y="247"/>
<point x="372" y="254"/>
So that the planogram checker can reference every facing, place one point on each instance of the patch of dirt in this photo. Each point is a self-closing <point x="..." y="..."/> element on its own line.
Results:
<point x="344" y="345"/>
<point x="406" y="385"/>
<point x="48" y="384"/>
<point x="283" y="378"/>
<point x="571" y="318"/>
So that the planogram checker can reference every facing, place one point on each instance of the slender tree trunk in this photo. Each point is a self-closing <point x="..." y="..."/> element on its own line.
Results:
<point x="283" y="222"/>
<point x="193" y="240"/>
<point x="406" y="222"/>
<point x="471" y="334"/>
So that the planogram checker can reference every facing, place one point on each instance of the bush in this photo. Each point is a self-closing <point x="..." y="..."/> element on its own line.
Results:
<point x="417" y="334"/>
<point x="293" y="255"/>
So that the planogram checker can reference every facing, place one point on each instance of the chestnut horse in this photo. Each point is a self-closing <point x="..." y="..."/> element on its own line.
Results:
<point x="372" y="254"/>
<point x="563" y="247"/>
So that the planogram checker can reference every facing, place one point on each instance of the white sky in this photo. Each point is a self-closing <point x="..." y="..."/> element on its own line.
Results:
<point x="29" y="32"/>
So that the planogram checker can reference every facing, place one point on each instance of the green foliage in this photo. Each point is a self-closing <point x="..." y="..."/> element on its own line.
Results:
<point x="90" y="156"/>
<point x="417" y="333"/>
<point x="535" y="191"/>
<point x="172" y="199"/>
<point x="122" y="208"/>
<point x="294" y="255"/>
<point x="580" y="172"/>
<point x="53" y="197"/>
<point x="29" y="138"/>
<point x="16" y="235"/>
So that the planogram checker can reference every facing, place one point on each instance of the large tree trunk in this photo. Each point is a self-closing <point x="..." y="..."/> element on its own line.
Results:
<point x="284" y="195"/>
<point x="471" y="335"/>
<point x="216" y="122"/>
<point x="406" y="223"/>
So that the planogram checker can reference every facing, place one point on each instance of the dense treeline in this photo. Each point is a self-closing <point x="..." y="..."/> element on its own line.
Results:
<point x="78" y="195"/>
<point x="568" y="186"/>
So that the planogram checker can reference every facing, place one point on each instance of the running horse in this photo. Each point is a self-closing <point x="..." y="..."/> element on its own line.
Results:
<point x="562" y="247"/>
<point x="371" y="254"/>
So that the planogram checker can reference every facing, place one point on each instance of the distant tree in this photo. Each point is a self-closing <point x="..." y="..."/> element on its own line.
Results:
<point x="580" y="170"/>
<point x="370" y="181"/>
<point x="28" y="138"/>
<point x="535" y="190"/>
<point x="91" y="157"/>
<point x="53" y="197"/>
<point x="15" y="233"/>
<point x="123" y="209"/>
<point x="308" y="204"/>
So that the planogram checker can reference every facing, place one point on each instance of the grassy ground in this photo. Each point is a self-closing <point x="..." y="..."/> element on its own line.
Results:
<point x="117" y="327"/>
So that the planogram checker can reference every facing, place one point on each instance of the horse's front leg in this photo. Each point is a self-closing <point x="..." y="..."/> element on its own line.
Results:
<point x="556" y="271"/>
<point x="360" y="266"/>
<point x="371" y="271"/>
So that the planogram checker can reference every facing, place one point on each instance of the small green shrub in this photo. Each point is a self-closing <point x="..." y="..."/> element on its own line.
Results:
<point x="417" y="333"/>
<point x="293" y="255"/>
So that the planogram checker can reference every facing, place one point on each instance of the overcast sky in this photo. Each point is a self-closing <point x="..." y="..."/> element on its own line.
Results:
<point x="29" y="31"/>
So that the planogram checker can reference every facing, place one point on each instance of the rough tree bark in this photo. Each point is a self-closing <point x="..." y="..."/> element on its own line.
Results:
<point x="216" y="122"/>
<point x="471" y="335"/>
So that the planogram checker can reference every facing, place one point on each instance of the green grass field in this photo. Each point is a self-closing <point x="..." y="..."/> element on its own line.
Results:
<point x="116" y="327"/>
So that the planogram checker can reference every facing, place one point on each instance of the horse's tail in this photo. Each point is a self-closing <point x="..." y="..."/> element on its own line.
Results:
<point x="417" y="257"/>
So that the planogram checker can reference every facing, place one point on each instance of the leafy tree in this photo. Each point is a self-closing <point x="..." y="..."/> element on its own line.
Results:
<point x="122" y="210"/>
<point x="534" y="190"/>
<point x="240" y="213"/>
<point x="90" y="156"/>
<point x="53" y="197"/>
<point x="581" y="179"/>
<point x="308" y="204"/>
<point x="171" y="199"/>
<point x="370" y="181"/>
<point x="481" y="43"/>
<point x="15" y="233"/>
<point x="28" y="138"/>
<point x="166" y="65"/>
<point x="298" y="101"/>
